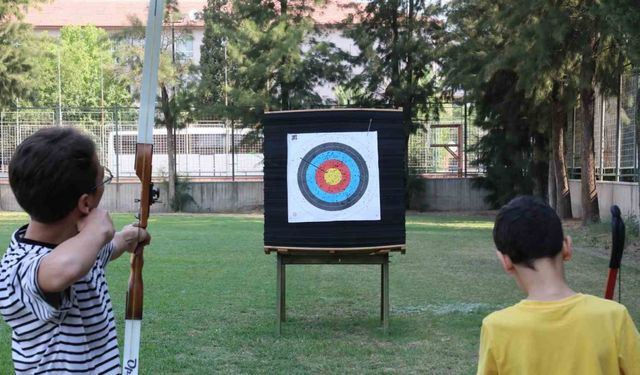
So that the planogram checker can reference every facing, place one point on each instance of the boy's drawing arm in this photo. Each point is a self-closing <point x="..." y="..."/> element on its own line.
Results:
<point x="629" y="347"/>
<point x="128" y="239"/>
<point x="73" y="258"/>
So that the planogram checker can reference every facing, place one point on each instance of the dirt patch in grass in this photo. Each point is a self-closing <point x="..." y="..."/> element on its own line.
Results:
<point x="596" y="239"/>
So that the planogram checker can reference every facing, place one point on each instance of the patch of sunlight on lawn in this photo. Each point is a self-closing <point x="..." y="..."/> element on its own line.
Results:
<point x="446" y="309"/>
<point x="13" y="215"/>
<point x="461" y="225"/>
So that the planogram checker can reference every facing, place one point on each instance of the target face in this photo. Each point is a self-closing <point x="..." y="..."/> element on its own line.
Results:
<point x="333" y="177"/>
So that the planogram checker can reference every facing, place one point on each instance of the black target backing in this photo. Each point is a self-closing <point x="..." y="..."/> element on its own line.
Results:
<point x="389" y="230"/>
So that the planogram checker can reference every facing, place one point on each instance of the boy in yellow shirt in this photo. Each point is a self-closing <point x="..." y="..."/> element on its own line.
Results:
<point x="554" y="331"/>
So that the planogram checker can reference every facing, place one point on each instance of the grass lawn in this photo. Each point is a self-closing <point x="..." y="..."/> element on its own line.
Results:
<point x="210" y="299"/>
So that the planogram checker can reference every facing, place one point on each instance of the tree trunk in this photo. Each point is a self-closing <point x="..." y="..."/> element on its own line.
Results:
<point x="637" y="103"/>
<point x="394" y="85"/>
<point x="407" y="122"/>
<point x="540" y="166"/>
<point x="285" y="92"/>
<point x="553" y="198"/>
<point x="171" y="155"/>
<point x="590" y="209"/>
<point x="563" y="194"/>
<point x="171" y="147"/>
<point x="407" y="177"/>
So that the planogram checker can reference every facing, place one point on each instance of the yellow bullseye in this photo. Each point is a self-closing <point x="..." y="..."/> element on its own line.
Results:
<point x="332" y="176"/>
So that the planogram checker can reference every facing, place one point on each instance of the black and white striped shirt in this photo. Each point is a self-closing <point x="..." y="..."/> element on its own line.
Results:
<point x="78" y="336"/>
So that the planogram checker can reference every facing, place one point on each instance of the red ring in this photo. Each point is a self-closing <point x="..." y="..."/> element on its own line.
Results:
<point x="340" y="186"/>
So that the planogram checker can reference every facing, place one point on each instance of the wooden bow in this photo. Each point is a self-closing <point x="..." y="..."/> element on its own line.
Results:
<point x="148" y="195"/>
<point x="617" y="247"/>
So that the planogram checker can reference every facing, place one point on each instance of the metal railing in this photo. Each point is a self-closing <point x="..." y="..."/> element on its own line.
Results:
<point x="205" y="147"/>
<point x="616" y="122"/>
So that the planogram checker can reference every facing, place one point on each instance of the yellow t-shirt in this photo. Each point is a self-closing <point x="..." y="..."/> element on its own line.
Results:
<point x="578" y="335"/>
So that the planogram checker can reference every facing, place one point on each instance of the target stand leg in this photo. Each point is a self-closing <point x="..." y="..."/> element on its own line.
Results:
<point x="281" y="310"/>
<point x="384" y="293"/>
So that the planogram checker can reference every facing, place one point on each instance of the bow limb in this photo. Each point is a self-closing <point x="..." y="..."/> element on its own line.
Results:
<point x="617" y="247"/>
<point x="148" y="195"/>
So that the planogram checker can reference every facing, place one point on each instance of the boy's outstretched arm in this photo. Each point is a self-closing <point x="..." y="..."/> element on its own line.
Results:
<point x="130" y="237"/>
<point x="73" y="258"/>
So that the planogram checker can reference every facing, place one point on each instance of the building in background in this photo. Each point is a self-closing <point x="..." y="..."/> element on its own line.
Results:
<point x="116" y="15"/>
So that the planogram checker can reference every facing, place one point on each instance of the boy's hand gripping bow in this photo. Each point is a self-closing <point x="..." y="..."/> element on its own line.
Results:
<point x="148" y="195"/>
<point x="617" y="247"/>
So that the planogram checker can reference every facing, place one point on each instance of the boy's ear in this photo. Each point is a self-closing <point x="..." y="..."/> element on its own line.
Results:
<point x="567" y="248"/>
<point x="506" y="262"/>
<point x="84" y="204"/>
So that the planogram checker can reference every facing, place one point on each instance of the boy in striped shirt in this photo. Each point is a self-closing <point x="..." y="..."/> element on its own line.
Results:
<point x="53" y="290"/>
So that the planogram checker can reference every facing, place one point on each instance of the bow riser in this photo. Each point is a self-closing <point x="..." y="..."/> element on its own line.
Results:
<point x="144" y="154"/>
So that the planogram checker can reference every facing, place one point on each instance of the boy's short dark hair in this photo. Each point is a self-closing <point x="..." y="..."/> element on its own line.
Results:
<point x="527" y="229"/>
<point x="50" y="170"/>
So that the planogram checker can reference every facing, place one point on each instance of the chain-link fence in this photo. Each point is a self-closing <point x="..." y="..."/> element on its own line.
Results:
<point x="204" y="148"/>
<point x="616" y="121"/>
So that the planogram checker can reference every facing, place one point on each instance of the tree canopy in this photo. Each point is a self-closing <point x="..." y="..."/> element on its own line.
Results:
<point x="398" y="43"/>
<point x="17" y="52"/>
<point x="80" y="67"/>
<point x="273" y="58"/>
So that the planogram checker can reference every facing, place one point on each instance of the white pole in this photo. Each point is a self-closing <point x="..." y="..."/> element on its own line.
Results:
<point x="59" y="91"/>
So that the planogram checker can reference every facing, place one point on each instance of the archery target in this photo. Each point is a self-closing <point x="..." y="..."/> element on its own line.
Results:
<point x="333" y="177"/>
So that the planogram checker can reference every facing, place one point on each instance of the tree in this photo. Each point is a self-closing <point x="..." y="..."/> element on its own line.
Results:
<point x="214" y="64"/>
<point x="272" y="57"/>
<point x="535" y="50"/>
<point x="397" y="41"/>
<point x="177" y="77"/>
<point x="561" y="52"/>
<point x="80" y="67"/>
<point x="580" y="55"/>
<point x="514" y="149"/>
<point x="622" y="19"/>
<point x="16" y="52"/>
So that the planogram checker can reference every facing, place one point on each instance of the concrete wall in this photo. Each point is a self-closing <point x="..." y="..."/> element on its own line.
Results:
<point x="226" y="197"/>
<point x="624" y="194"/>
<point x="449" y="194"/>
<point x="457" y="194"/>
<point x="208" y="197"/>
<point x="452" y="194"/>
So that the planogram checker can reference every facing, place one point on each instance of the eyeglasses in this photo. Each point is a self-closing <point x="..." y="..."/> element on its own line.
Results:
<point x="108" y="177"/>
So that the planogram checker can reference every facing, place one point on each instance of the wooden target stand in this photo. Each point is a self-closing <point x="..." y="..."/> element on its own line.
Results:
<point x="348" y="256"/>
